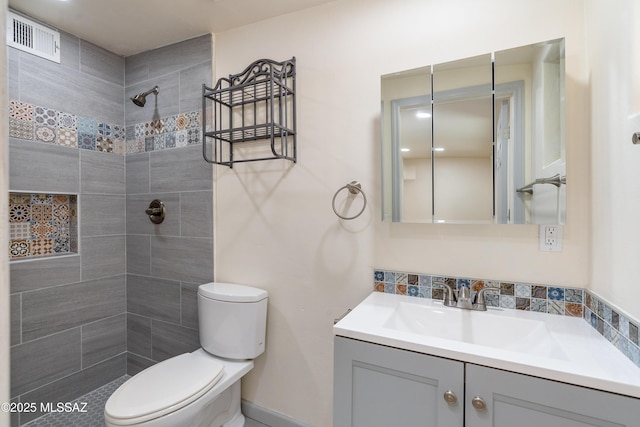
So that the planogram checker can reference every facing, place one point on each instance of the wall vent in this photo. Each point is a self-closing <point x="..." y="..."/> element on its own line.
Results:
<point x="31" y="37"/>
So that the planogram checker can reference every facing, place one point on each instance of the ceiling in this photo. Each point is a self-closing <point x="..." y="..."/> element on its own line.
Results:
<point x="127" y="27"/>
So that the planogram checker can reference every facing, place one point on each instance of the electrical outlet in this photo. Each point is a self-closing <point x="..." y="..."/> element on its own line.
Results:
<point x="550" y="238"/>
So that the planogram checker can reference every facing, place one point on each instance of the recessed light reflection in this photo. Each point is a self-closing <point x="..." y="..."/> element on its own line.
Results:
<point x="423" y="115"/>
<point x="405" y="150"/>
<point x="438" y="149"/>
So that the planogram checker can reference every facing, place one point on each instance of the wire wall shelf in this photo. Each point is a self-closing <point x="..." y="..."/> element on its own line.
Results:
<point x="258" y="104"/>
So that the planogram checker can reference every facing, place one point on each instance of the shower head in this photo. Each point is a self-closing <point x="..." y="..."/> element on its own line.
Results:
<point x="141" y="98"/>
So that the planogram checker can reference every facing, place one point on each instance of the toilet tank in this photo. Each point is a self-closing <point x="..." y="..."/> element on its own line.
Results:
<point x="233" y="320"/>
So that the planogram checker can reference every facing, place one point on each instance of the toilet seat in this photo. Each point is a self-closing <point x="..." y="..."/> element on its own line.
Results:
<point x="163" y="388"/>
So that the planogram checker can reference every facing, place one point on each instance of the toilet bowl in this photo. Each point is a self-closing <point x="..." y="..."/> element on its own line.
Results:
<point x="201" y="388"/>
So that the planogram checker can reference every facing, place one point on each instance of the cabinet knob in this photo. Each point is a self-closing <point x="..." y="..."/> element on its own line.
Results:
<point x="479" y="404"/>
<point x="450" y="397"/>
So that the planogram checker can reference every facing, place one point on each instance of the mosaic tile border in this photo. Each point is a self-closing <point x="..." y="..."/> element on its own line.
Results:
<point x="40" y="124"/>
<point x="619" y="330"/>
<point x="175" y="131"/>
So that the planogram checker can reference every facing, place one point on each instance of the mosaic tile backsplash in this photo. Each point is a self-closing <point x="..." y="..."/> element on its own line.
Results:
<point x="42" y="225"/>
<point x="41" y="124"/>
<point x="618" y="329"/>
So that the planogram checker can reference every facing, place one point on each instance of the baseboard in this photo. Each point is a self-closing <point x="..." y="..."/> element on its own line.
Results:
<point x="269" y="417"/>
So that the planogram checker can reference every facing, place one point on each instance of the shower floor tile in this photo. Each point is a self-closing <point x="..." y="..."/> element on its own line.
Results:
<point x="94" y="416"/>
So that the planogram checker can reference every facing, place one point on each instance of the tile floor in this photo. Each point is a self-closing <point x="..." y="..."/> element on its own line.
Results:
<point x="93" y="417"/>
<point x="95" y="407"/>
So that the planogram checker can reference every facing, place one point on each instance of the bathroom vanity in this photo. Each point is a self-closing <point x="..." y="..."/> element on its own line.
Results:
<point x="409" y="361"/>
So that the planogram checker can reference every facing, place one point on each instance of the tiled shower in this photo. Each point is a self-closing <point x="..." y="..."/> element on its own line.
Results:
<point x="124" y="295"/>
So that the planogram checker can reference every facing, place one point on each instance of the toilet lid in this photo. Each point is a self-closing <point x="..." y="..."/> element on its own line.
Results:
<point x="163" y="388"/>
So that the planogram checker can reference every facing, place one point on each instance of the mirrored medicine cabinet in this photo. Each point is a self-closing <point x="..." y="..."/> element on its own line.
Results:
<point x="477" y="141"/>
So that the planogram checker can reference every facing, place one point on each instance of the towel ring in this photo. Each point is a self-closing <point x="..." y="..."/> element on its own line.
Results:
<point x="354" y="187"/>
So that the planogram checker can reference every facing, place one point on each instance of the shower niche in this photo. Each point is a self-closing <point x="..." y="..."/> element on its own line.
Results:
<point x="42" y="225"/>
<point x="251" y="116"/>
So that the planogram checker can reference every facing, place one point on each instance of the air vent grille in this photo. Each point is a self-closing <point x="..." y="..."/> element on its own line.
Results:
<point x="32" y="37"/>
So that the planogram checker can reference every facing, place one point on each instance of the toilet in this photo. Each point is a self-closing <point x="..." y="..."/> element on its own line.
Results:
<point x="201" y="388"/>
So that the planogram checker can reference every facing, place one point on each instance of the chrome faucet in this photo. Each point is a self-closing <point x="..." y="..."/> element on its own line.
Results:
<point x="462" y="298"/>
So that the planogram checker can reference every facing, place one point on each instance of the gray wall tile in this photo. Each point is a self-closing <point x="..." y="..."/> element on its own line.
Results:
<point x="136" y="68"/>
<point x="101" y="63"/>
<point x="174" y="57"/>
<point x="45" y="272"/>
<point x="196" y="214"/>
<point x="138" y="254"/>
<point x="44" y="360"/>
<point x="69" y="51"/>
<point x="102" y="215"/>
<point x="103" y="339"/>
<point x="90" y="84"/>
<point x="101" y="173"/>
<point x="137" y="173"/>
<point x="171" y="340"/>
<point x="77" y="384"/>
<point x="136" y="364"/>
<point x="182" y="258"/>
<point x="139" y="223"/>
<point x="103" y="256"/>
<point x="154" y="298"/>
<point x="139" y="335"/>
<point x="189" y="314"/>
<point x="182" y="169"/>
<point x="43" y="168"/>
<point x="55" y="309"/>
<point x="191" y="80"/>
<point x="16" y="320"/>
<point x="48" y="84"/>
<point x="13" y="73"/>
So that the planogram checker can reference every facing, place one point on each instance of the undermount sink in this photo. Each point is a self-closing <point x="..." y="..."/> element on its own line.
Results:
<point x="482" y="328"/>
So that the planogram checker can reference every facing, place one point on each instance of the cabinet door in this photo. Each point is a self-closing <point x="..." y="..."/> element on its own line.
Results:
<point x="378" y="386"/>
<point x="523" y="401"/>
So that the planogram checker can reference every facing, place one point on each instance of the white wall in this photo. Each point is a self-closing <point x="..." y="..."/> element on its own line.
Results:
<point x="275" y="228"/>
<point x="614" y="58"/>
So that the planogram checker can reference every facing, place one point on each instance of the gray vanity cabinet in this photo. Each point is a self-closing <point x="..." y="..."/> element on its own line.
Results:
<point x="378" y="386"/>
<point x="524" y="401"/>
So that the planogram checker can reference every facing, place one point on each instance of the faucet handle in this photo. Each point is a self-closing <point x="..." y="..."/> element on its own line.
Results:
<point x="450" y="298"/>
<point x="479" y="301"/>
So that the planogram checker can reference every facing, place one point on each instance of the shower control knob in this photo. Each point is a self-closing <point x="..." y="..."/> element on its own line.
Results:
<point x="450" y="397"/>
<point x="479" y="403"/>
<point x="156" y="211"/>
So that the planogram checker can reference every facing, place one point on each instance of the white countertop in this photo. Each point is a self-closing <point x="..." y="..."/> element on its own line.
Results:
<point x="582" y="357"/>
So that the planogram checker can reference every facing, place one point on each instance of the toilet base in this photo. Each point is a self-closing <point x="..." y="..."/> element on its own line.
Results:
<point x="236" y="421"/>
<point x="227" y="408"/>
